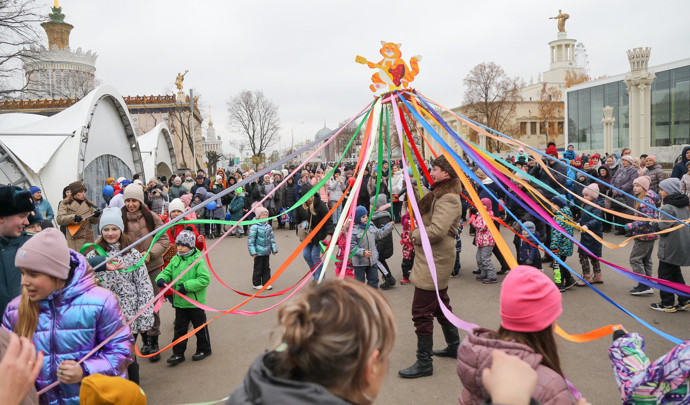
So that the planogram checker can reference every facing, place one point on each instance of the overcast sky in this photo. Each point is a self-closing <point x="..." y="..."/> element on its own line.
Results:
<point x="301" y="53"/>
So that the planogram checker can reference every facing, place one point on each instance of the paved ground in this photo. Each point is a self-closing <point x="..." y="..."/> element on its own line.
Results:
<point x="237" y="340"/>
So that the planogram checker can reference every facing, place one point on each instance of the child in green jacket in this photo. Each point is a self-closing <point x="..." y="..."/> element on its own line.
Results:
<point x="193" y="284"/>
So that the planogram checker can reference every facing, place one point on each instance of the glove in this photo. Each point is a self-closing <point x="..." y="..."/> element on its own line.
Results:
<point x="97" y="213"/>
<point x="78" y="219"/>
<point x="628" y="233"/>
<point x="584" y="228"/>
<point x="181" y="289"/>
<point x="160" y="283"/>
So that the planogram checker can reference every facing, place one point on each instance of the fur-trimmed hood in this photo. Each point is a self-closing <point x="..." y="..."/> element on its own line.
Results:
<point x="437" y="190"/>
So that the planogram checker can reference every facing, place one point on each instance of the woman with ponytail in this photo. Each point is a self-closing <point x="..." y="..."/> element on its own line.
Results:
<point x="66" y="315"/>
<point x="335" y="339"/>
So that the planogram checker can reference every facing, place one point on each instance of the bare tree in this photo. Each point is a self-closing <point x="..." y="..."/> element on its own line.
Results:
<point x="255" y="119"/>
<point x="491" y="98"/>
<point x="18" y="23"/>
<point x="212" y="158"/>
<point x="572" y="78"/>
<point x="549" y="108"/>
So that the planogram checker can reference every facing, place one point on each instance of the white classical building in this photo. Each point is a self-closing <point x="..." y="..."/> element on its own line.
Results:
<point x="57" y="71"/>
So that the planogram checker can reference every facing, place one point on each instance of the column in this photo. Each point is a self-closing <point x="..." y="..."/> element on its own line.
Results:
<point x="639" y="81"/>
<point x="608" y="121"/>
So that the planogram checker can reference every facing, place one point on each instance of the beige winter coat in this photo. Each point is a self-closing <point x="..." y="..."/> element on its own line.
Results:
<point x="65" y="217"/>
<point x="136" y="227"/>
<point x="441" y="209"/>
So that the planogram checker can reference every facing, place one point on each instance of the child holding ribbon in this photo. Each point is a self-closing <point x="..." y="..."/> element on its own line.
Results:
<point x="485" y="243"/>
<point x="193" y="283"/>
<point x="261" y="244"/>
<point x="366" y="256"/>
<point x="530" y="305"/>
<point x="66" y="315"/>
<point x="590" y="220"/>
<point x="133" y="288"/>
<point x="560" y="244"/>
<point x="641" y="254"/>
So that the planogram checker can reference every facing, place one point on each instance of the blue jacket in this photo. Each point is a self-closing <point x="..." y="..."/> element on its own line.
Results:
<point x="590" y="218"/>
<point x="10" y="278"/>
<point x="71" y="322"/>
<point x="530" y="254"/>
<point x="45" y="209"/>
<point x="261" y="240"/>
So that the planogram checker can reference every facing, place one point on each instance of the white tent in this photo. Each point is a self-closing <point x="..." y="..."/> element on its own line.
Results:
<point x="157" y="152"/>
<point x="89" y="141"/>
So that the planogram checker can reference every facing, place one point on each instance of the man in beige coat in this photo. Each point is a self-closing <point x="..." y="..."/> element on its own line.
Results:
<point x="76" y="209"/>
<point x="440" y="209"/>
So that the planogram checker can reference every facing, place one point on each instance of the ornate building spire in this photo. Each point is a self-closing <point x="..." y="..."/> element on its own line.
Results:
<point x="57" y="29"/>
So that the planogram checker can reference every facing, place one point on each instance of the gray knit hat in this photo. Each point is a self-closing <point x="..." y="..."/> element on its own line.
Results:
<point x="186" y="238"/>
<point x="529" y="225"/>
<point x="47" y="253"/>
<point x="670" y="185"/>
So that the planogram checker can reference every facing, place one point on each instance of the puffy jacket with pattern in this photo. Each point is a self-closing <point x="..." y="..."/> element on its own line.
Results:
<point x="646" y="227"/>
<point x="261" y="240"/>
<point x="71" y="322"/>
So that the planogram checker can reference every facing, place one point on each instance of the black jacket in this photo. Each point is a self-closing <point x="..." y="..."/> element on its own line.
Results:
<point x="320" y="212"/>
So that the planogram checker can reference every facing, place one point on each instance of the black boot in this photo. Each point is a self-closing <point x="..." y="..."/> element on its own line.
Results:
<point x="146" y="348"/>
<point x="154" y="349"/>
<point x="388" y="282"/>
<point x="450" y="332"/>
<point x="424" y="366"/>
<point x="133" y="372"/>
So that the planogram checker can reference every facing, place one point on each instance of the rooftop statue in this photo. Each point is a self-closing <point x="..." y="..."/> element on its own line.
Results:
<point x="179" y="79"/>
<point x="561" y="17"/>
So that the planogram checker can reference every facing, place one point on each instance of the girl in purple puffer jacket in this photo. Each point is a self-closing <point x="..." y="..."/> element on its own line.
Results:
<point x="67" y="316"/>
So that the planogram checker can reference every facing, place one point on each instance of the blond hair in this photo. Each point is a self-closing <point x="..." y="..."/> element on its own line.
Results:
<point x="329" y="333"/>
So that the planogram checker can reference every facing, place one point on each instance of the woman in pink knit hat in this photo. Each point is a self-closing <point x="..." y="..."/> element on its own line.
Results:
<point x="530" y="305"/>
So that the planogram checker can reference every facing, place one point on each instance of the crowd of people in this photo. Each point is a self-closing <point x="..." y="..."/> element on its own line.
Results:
<point x="66" y="287"/>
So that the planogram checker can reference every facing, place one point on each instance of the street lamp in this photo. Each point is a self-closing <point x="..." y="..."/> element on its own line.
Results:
<point x="292" y="136"/>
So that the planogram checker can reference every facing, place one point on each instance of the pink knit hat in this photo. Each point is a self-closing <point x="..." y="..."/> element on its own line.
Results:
<point x="643" y="181"/>
<point x="530" y="301"/>
<point x="487" y="203"/>
<point x="261" y="212"/>
<point x="591" y="190"/>
<point x="47" y="253"/>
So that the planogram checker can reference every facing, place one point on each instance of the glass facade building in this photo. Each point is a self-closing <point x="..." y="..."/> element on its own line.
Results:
<point x="670" y="110"/>
<point x="585" y="111"/>
<point x="671" y="107"/>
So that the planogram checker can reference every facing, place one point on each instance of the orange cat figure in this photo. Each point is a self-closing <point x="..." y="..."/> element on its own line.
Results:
<point x="393" y="71"/>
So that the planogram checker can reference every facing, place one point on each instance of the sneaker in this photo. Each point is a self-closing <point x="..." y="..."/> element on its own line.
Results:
<point x="480" y="278"/>
<point x="658" y="306"/>
<point x="503" y="271"/>
<point x="476" y="271"/>
<point x="641" y="290"/>
<point x="258" y="287"/>
<point x="683" y="306"/>
<point x="405" y="281"/>
<point x="175" y="359"/>
<point x="200" y="355"/>
<point x="270" y="287"/>
<point x="454" y="275"/>
<point x="566" y="285"/>
<point x="489" y="281"/>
